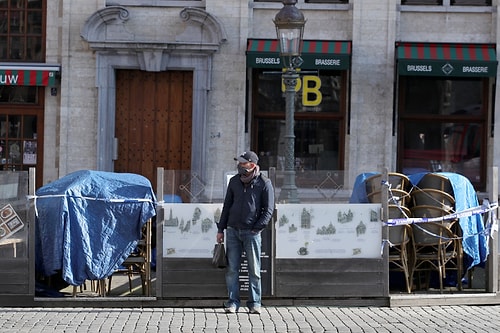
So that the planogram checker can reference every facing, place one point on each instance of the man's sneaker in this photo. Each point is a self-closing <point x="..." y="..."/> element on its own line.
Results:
<point x="255" y="310"/>
<point x="231" y="308"/>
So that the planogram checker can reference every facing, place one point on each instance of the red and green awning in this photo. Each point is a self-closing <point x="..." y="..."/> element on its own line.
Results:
<point x="434" y="59"/>
<point x="317" y="54"/>
<point x="28" y="75"/>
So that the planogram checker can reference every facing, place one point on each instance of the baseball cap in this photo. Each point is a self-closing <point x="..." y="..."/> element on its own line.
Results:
<point x="247" y="156"/>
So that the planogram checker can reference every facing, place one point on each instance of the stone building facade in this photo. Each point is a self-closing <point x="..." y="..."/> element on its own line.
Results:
<point x="107" y="49"/>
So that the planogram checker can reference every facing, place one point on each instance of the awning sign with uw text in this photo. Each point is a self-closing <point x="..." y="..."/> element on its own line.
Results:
<point x="18" y="75"/>
<point x="454" y="60"/>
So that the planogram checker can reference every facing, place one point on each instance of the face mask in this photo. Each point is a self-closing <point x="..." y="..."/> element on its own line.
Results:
<point x="242" y="170"/>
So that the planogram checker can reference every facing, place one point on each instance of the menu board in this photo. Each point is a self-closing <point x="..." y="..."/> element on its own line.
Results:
<point x="328" y="231"/>
<point x="10" y="223"/>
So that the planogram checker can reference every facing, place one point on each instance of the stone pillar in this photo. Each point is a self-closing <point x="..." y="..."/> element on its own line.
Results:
<point x="370" y="144"/>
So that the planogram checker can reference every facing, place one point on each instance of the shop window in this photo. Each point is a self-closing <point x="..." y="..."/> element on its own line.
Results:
<point x="470" y="2"/>
<point x="421" y="2"/>
<point x="308" y="1"/>
<point x="19" y="94"/>
<point x="316" y="144"/>
<point x="18" y="142"/>
<point x="443" y="126"/>
<point x="448" y="2"/>
<point x="21" y="30"/>
<point x="157" y="3"/>
<point x="319" y="120"/>
<point x="326" y="1"/>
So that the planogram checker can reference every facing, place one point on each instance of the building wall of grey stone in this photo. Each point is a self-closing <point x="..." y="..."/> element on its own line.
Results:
<point x="373" y="26"/>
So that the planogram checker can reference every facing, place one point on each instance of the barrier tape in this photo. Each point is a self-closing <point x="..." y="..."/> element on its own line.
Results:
<point x="112" y="200"/>
<point x="485" y="208"/>
<point x="29" y="197"/>
<point x="491" y="224"/>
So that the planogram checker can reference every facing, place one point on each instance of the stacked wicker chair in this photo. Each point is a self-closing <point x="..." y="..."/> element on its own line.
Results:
<point x="399" y="186"/>
<point x="437" y="246"/>
<point x="400" y="249"/>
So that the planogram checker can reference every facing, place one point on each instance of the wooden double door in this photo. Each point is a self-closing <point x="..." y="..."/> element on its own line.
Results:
<point x="153" y="121"/>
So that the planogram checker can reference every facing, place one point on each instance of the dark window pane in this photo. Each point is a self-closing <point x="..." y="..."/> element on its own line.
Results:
<point x="3" y="47"/>
<point x="309" y="1"/>
<point x="314" y="93"/>
<point x="19" y="94"/>
<point x="319" y="120"/>
<point x="438" y="146"/>
<point x="427" y="96"/>
<point x="327" y="1"/>
<point x="34" y="49"/>
<point x="29" y="127"/>
<point x="316" y="144"/>
<point x="35" y="4"/>
<point x="14" y="127"/>
<point x="34" y="22"/>
<point x="17" y="22"/>
<point x="443" y="127"/>
<point x="4" y="22"/>
<point x="421" y="2"/>
<point x="3" y="127"/>
<point x="471" y="2"/>
<point x="23" y="29"/>
<point x="16" y="48"/>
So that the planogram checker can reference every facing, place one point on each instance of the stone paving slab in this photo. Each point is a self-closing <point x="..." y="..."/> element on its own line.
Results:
<point x="427" y="319"/>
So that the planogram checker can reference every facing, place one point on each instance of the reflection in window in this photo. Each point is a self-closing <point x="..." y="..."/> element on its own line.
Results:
<point x="315" y="93"/>
<point x="21" y="34"/>
<point x="471" y="2"/>
<point x="19" y="94"/>
<point x="316" y="144"/>
<point x="18" y="142"/>
<point x="451" y="2"/>
<point x="319" y="120"/>
<point x="443" y="126"/>
<point x="308" y="1"/>
<point x="421" y="2"/>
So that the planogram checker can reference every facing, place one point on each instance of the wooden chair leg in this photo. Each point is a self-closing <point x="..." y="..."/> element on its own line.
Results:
<point x="82" y="287"/>
<point x="109" y="284"/>
<point x="101" y="287"/>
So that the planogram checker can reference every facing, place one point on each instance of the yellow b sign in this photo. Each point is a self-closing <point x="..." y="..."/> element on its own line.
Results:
<point x="311" y="96"/>
<point x="310" y="85"/>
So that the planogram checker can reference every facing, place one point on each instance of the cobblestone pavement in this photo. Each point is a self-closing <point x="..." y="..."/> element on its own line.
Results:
<point x="440" y="319"/>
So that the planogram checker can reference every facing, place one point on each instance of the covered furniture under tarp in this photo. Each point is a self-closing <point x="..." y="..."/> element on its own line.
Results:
<point x="89" y="222"/>
<point x="475" y="245"/>
<point x="474" y="238"/>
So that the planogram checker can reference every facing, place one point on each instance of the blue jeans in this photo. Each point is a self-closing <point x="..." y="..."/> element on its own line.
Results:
<point x="238" y="241"/>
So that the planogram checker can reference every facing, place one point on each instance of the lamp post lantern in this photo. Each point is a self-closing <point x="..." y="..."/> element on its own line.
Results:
<point x="289" y="24"/>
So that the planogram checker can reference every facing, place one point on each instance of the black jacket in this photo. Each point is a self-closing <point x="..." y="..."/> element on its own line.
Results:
<point x="247" y="207"/>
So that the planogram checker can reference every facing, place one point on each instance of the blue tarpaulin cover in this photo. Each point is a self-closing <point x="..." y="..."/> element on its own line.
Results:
<point x="89" y="222"/>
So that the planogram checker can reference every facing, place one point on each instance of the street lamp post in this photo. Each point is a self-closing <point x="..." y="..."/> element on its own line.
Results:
<point x="289" y="24"/>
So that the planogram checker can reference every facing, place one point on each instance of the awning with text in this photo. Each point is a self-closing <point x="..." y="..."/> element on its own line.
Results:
<point x="439" y="59"/>
<point x="28" y="75"/>
<point x="317" y="54"/>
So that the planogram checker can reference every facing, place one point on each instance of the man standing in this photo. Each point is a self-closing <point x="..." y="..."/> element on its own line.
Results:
<point x="248" y="208"/>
